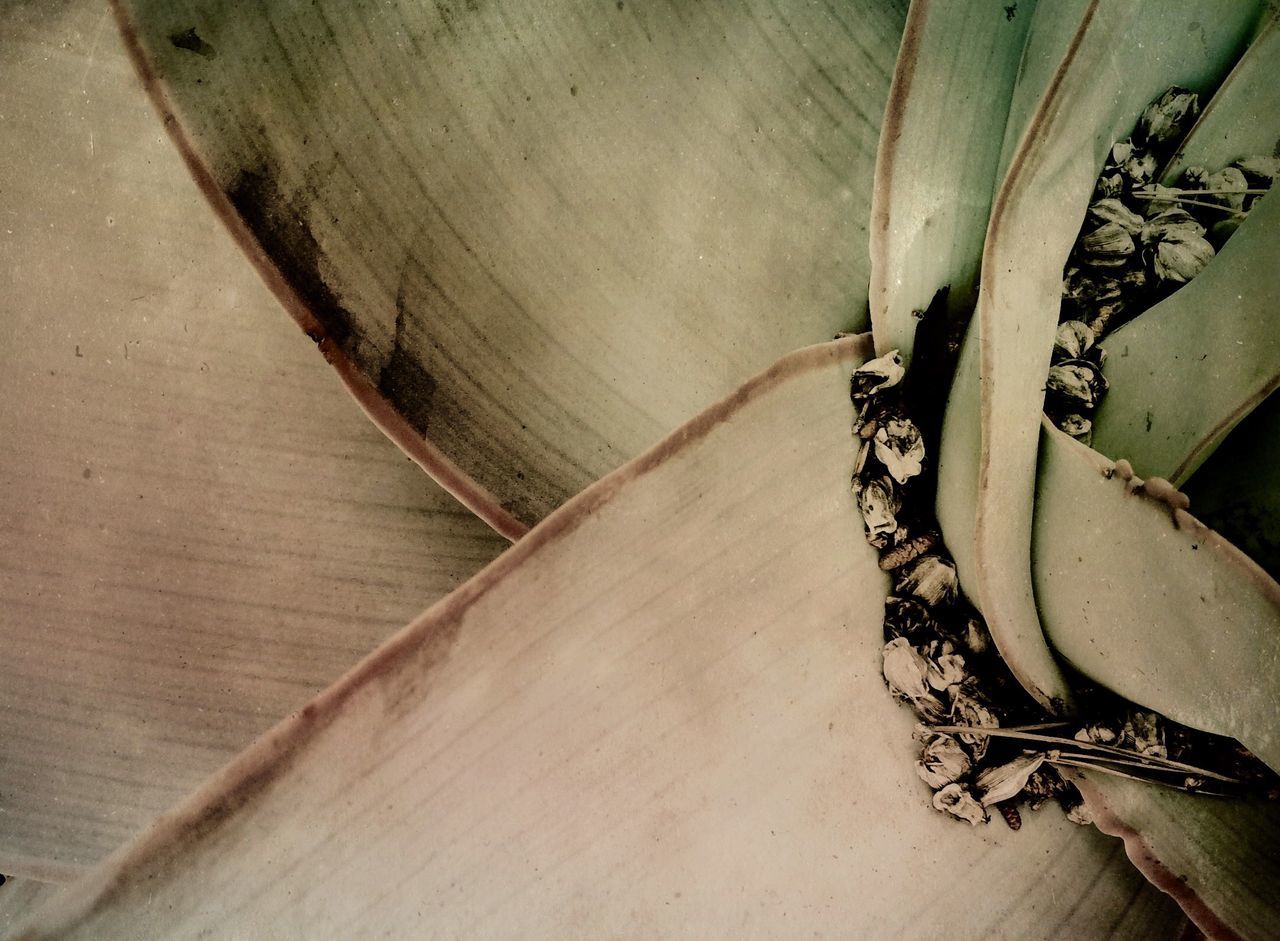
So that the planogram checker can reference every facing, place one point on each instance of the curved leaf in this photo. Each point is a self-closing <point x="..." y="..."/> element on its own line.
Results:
<point x="1144" y="600"/>
<point x="1242" y="118"/>
<point x="1218" y="858"/>
<point x="1237" y="490"/>
<point x="643" y="720"/>
<point x="534" y="241"/>
<point x="1026" y="248"/>
<point x="1215" y="342"/>
<point x="935" y="168"/>
<point x="200" y="529"/>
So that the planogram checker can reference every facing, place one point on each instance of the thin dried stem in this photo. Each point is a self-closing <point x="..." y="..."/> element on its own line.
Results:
<point x="1144" y="760"/>
<point x="1091" y="766"/>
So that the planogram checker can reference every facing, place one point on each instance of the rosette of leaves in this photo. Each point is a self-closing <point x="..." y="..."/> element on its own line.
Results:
<point x="547" y="249"/>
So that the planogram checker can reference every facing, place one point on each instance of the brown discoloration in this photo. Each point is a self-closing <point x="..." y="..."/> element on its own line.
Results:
<point x="376" y="405"/>
<point x="1144" y="857"/>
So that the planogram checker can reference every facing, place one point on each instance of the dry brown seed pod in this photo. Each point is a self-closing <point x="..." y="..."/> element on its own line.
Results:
<point x="930" y="578"/>
<point x="1227" y="188"/>
<point x="905" y="669"/>
<point x="1077" y="384"/>
<point x="876" y="376"/>
<point x="1171" y="220"/>
<point x="900" y="448"/>
<point x="1259" y="171"/>
<point x="1168" y="118"/>
<point x="1076" y="425"/>
<point x="1141" y="167"/>
<point x="1107" y="246"/>
<point x="967" y="709"/>
<point x="959" y="803"/>
<point x="879" y="501"/>
<point x="913" y="548"/>
<point x="1180" y="256"/>
<point x="1113" y="210"/>
<point x="1072" y="340"/>
<point x="942" y="761"/>
<point x="1007" y="780"/>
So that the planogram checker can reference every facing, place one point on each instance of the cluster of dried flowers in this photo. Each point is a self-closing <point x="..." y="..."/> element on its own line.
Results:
<point x="984" y="742"/>
<point x="938" y="655"/>
<point x="1140" y="242"/>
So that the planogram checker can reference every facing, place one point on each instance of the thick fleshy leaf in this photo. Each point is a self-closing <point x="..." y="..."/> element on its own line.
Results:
<point x="536" y="240"/>
<point x="1151" y="45"/>
<point x="1218" y="858"/>
<point x="1237" y="490"/>
<point x="1146" y="601"/>
<point x="644" y="720"/>
<point x="1183" y="374"/>
<point x="1241" y="120"/>
<point x="200" y="528"/>
<point x="935" y="172"/>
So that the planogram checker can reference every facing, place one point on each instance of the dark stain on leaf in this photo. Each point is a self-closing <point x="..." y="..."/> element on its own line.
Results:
<point x="1010" y="12"/>
<point x="279" y="225"/>
<point x="190" y="40"/>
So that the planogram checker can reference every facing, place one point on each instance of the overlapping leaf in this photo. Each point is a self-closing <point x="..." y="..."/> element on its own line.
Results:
<point x="609" y="736"/>
<point x="200" y="529"/>
<point x="536" y="240"/>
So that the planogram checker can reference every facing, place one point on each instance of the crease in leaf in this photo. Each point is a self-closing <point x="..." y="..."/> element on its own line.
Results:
<point x="1215" y="341"/>
<point x="1055" y="165"/>
<point x="1146" y="601"/>
<point x="664" y="712"/>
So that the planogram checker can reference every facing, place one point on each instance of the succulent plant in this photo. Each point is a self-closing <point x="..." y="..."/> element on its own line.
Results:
<point x="550" y="251"/>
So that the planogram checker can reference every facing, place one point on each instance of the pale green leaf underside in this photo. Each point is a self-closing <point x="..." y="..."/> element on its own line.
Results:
<point x="935" y="173"/>
<point x="544" y="236"/>
<point x="1200" y="848"/>
<point x="1165" y="613"/>
<point x="1021" y="275"/>
<point x="200" y="529"/>
<point x="1185" y="372"/>
<point x="1241" y="121"/>
<point x="644" y="720"/>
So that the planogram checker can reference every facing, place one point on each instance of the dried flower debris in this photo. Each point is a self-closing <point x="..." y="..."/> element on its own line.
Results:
<point x="984" y="742"/>
<point x="1139" y="243"/>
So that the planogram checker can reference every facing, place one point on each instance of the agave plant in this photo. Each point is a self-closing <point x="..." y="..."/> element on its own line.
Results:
<point x="547" y="250"/>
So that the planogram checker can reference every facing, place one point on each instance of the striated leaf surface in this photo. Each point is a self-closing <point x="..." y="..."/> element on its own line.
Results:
<point x="1187" y="371"/>
<point x="200" y="529"/>
<point x="643" y="720"/>
<point x="1219" y="858"/>
<point x="935" y="172"/>
<point x="534" y="240"/>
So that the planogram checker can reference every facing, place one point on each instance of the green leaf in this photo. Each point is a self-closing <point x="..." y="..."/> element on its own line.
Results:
<point x="200" y="528"/>
<point x="935" y="172"/>
<point x="1241" y="120"/>
<point x="660" y="713"/>
<point x="1237" y="491"/>
<point x="535" y="241"/>
<point x="1183" y="374"/>
<point x="1145" y="601"/>
<point x="1216" y="857"/>
<point x="1054" y="166"/>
